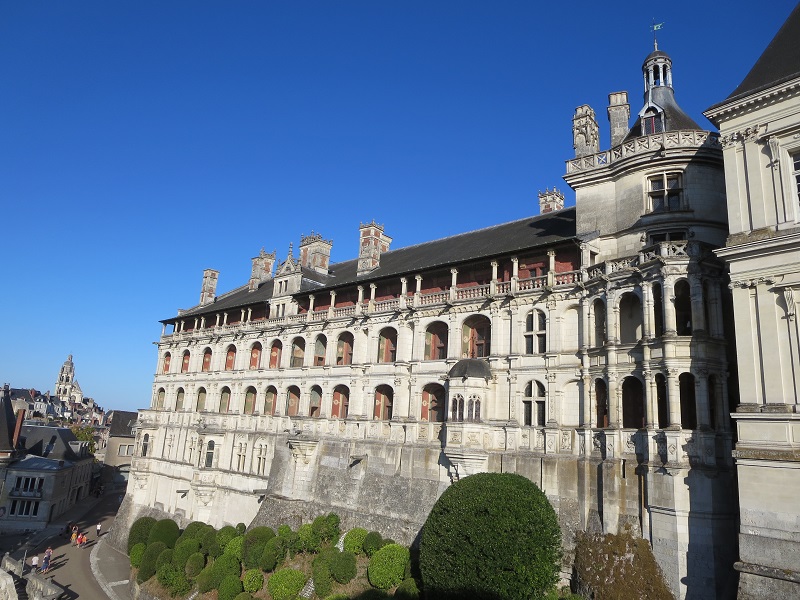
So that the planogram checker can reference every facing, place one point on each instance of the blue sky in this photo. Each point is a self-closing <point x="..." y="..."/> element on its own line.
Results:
<point x="142" y="142"/>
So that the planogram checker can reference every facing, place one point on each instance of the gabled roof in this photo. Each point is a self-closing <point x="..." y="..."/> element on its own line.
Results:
<point x="506" y="238"/>
<point x="49" y="442"/>
<point x="779" y="63"/>
<point x="121" y="424"/>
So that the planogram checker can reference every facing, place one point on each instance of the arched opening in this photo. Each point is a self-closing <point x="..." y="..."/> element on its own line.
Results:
<point x="683" y="308"/>
<point x="165" y="364"/>
<point x="384" y="401"/>
<point x="145" y="443"/>
<point x="457" y="408"/>
<point x="269" y="400"/>
<point x="250" y="400"/>
<point x="661" y="401"/>
<point x="632" y="403"/>
<point x="535" y="332"/>
<point x="476" y="336"/>
<point x="658" y="311"/>
<point x="255" y="356"/>
<point x="179" y="398"/>
<point x="341" y="402"/>
<point x="601" y="402"/>
<point x="230" y="358"/>
<point x="160" y="398"/>
<point x="688" y="401"/>
<point x="275" y="354"/>
<point x="344" y="349"/>
<point x="474" y="408"/>
<point x="206" y="360"/>
<point x="298" y="352"/>
<point x="210" y="455"/>
<point x="433" y="396"/>
<point x="201" y="399"/>
<point x="225" y="400"/>
<point x="599" y="318"/>
<point x="630" y="318"/>
<point x="533" y="404"/>
<point x="292" y="401"/>
<point x="320" y="347"/>
<point x="436" y="341"/>
<point x="315" y="404"/>
<point x="185" y="362"/>
<point x="387" y="345"/>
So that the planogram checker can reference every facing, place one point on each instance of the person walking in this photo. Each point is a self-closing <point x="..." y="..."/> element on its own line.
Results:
<point x="34" y="563"/>
<point x="48" y="555"/>
<point x="99" y="527"/>
<point x="74" y="538"/>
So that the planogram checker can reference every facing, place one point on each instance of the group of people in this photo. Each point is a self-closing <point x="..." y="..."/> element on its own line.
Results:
<point x="80" y="538"/>
<point x="77" y="537"/>
<point x="48" y="556"/>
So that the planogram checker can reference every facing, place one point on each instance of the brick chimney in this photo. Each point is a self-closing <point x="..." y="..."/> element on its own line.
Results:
<point x="209" y="290"/>
<point x="315" y="253"/>
<point x="262" y="269"/>
<point x="372" y="243"/>
<point x="619" y="114"/>
<point x="550" y="200"/>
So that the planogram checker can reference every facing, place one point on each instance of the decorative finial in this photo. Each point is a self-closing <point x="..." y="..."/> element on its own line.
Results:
<point x="291" y="248"/>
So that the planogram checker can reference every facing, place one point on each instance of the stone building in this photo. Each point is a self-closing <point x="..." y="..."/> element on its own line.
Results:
<point x="760" y="132"/>
<point x="584" y="348"/>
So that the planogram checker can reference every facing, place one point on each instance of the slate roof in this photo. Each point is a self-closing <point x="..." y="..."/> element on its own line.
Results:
<point x="779" y="63"/>
<point x="471" y="367"/>
<point x="49" y="442"/>
<point x="7" y="423"/>
<point x="121" y="423"/>
<point x="506" y="238"/>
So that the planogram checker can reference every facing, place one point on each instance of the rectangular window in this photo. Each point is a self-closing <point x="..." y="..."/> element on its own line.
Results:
<point x="796" y="167"/>
<point x="665" y="192"/>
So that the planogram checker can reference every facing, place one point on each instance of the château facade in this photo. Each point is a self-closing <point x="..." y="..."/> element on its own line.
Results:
<point x="584" y="348"/>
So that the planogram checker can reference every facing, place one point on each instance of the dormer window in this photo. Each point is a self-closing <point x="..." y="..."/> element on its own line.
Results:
<point x="652" y="122"/>
<point x="665" y="192"/>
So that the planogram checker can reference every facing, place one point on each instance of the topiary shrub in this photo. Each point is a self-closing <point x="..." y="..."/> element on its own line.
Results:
<point x="225" y="565"/>
<point x="284" y="530"/>
<point x="164" y="557"/>
<point x="490" y="535"/>
<point x="166" y="531"/>
<point x="140" y="531"/>
<point x="286" y="584"/>
<point x="136" y="553"/>
<point x="326" y="527"/>
<point x="194" y="564"/>
<point x="205" y="580"/>
<point x="268" y="561"/>
<point x="230" y="587"/>
<point x="253" y="547"/>
<point x="208" y="542"/>
<point x="321" y="574"/>
<point x="354" y="539"/>
<point x="372" y="542"/>
<point x="241" y="528"/>
<point x="172" y="578"/>
<point x="307" y="539"/>
<point x="253" y="580"/>
<point x="343" y="566"/>
<point x="225" y="535"/>
<point x="407" y="590"/>
<point x="183" y="550"/>
<point x="148" y="567"/>
<point x="274" y="554"/>
<point x="293" y="545"/>
<point x="235" y="547"/>
<point x="193" y="529"/>
<point x="387" y="566"/>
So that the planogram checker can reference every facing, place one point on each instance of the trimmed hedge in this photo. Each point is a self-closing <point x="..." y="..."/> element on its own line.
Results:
<point x="225" y="565"/>
<point x="326" y="526"/>
<point x="286" y="584"/>
<point x="254" y="542"/>
<point x="354" y="539"/>
<point x="205" y="580"/>
<point x="136" y="553"/>
<point x="284" y="530"/>
<point x="268" y="561"/>
<point x="407" y="590"/>
<point x="372" y="543"/>
<point x="241" y="528"/>
<point x="183" y="550"/>
<point x="166" y="531"/>
<point x="140" y="531"/>
<point x="321" y="574"/>
<point x="253" y="580"/>
<point x="230" y="587"/>
<point x="235" y="547"/>
<point x="148" y="566"/>
<point x="164" y="557"/>
<point x="490" y="536"/>
<point x="343" y="566"/>
<point x="387" y="566"/>
<point x="308" y="539"/>
<point x="225" y="535"/>
<point x="173" y="578"/>
<point x="208" y="542"/>
<point x="195" y="564"/>
<point x="274" y="553"/>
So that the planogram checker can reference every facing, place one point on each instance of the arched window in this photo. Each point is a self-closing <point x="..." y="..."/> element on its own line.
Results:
<point x="255" y="356"/>
<point x="436" y="341"/>
<point x="632" y="403"/>
<point x="167" y="360"/>
<point x="179" y="397"/>
<point x="315" y="404"/>
<point x="320" y="347"/>
<point x="387" y="345"/>
<point x="630" y="318"/>
<point x="536" y="332"/>
<point x="658" y="311"/>
<point x="145" y="443"/>
<point x="683" y="308"/>
<point x="201" y="399"/>
<point x="661" y="401"/>
<point x="230" y="358"/>
<point x="477" y="333"/>
<point x="457" y="408"/>
<point x="269" y="400"/>
<point x="341" y="402"/>
<point x="250" y="401"/>
<point x="210" y="455"/>
<point x="688" y="402"/>
<point x="601" y="402"/>
<point x="533" y="404"/>
<point x="207" y="360"/>
<point x="225" y="400"/>
<point x="292" y="401"/>
<point x="474" y="409"/>
<point x="185" y="362"/>
<point x="599" y="316"/>
<point x="433" y="396"/>
<point x="384" y="400"/>
<point x="298" y="352"/>
<point x="275" y="354"/>
<point x="160" y="398"/>
<point x="344" y="349"/>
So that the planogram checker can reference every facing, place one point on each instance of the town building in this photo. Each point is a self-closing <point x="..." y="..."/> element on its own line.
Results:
<point x="119" y="446"/>
<point x="760" y="132"/>
<point x="584" y="348"/>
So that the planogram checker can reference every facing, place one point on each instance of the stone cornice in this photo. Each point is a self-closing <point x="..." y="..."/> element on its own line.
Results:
<point x="728" y="110"/>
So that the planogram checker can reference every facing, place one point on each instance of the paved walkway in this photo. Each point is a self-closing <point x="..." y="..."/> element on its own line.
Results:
<point x="96" y="572"/>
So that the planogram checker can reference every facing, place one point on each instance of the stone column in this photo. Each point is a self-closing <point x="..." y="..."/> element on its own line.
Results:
<point x="587" y="400"/>
<point x="311" y="303"/>
<point x="670" y="327"/>
<point x="553" y="404"/>
<point x="587" y="322"/>
<point x="372" y="289"/>
<point x="613" y="406"/>
<point x="493" y="282"/>
<point x="333" y="303"/>
<point x="403" y="292"/>
<point x="698" y="308"/>
<point x="514" y="275"/>
<point x="701" y="399"/>
<point x="418" y="291"/>
<point x="453" y="283"/>
<point x="650" y="400"/>
<point x="612" y="319"/>
<point x="647" y="296"/>
<point x="551" y="267"/>
<point x="673" y="397"/>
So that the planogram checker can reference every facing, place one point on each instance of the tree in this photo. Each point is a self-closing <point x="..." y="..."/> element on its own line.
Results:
<point x="490" y="536"/>
<point x="85" y="433"/>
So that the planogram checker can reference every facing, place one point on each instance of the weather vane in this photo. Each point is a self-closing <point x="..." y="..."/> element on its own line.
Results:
<point x="655" y="27"/>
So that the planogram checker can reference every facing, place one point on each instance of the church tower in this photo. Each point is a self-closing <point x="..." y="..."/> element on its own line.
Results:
<point x="67" y="387"/>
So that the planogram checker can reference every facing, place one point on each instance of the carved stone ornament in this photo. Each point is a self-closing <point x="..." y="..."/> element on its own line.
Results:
<point x="791" y="305"/>
<point x="566" y="440"/>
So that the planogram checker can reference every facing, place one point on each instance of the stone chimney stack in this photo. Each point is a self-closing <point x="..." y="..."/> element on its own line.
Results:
<point x="585" y="133"/>
<point x="262" y="269"/>
<point x="209" y="289"/>
<point x="315" y="253"/>
<point x="619" y="115"/>
<point x="373" y="242"/>
<point x="550" y="200"/>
